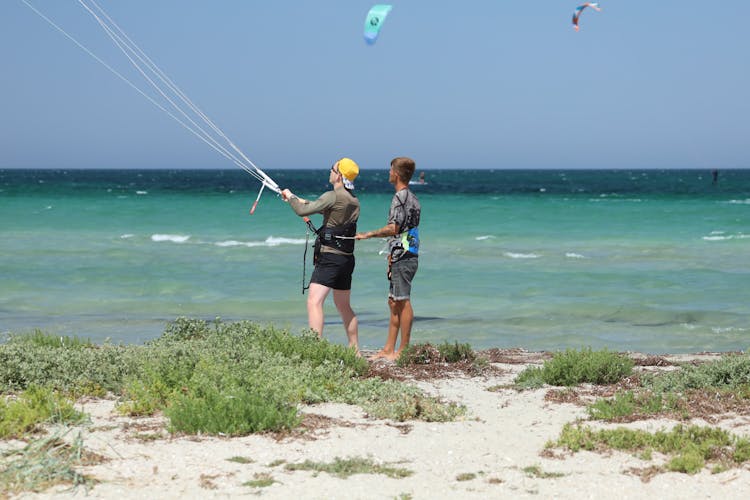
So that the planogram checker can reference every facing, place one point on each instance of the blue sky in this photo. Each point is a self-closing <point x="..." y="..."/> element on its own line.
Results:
<point x="475" y="84"/>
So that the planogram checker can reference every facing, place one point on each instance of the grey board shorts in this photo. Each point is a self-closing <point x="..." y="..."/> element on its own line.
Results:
<point x="402" y="272"/>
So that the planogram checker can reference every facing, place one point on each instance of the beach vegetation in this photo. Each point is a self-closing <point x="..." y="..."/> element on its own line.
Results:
<point x="730" y="372"/>
<point x="537" y="471"/>
<point x="260" y="480"/>
<point x="573" y="367"/>
<point x="218" y="378"/>
<point x="38" y="337"/>
<point x="345" y="467"/>
<point x="418" y="354"/>
<point x="629" y="403"/>
<point x="459" y="355"/>
<point x="240" y="460"/>
<point x="453" y="353"/>
<point x="466" y="476"/>
<point x="25" y="413"/>
<point x="688" y="448"/>
<point x="721" y="386"/>
<point x="44" y="463"/>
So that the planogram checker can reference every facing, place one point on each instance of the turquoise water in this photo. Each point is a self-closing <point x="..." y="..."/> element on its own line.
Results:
<point x="652" y="261"/>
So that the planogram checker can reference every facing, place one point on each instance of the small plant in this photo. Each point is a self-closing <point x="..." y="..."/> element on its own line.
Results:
<point x="688" y="448"/>
<point x="419" y="354"/>
<point x="260" y="480"/>
<point x="35" y="406"/>
<point x="343" y="468"/>
<point x="241" y="460"/>
<point x="453" y="353"/>
<point x="625" y="404"/>
<point x="425" y="354"/>
<point x="536" y="471"/>
<point x="466" y="476"/>
<point x="45" y="463"/>
<point x="576" y="367"/>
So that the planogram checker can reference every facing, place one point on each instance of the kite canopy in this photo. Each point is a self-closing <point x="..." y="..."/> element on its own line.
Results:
<point x="579" y="10"/>
<point x="374" y="21"/>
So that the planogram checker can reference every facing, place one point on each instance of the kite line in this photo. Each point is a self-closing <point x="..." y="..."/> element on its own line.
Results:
<point x="215" y="138"/>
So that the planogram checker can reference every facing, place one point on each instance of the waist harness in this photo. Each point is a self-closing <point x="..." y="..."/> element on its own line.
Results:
<point x="339" y="237"/>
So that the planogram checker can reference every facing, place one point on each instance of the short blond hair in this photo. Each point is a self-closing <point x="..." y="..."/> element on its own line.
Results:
<point x="404" y="167"/>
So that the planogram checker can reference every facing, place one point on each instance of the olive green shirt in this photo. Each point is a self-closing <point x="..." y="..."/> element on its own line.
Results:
<point x="338" y="206"/>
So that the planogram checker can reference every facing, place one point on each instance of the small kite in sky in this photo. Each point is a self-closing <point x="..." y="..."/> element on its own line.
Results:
<point x="374" y="21"/>
<point x="580" y="8"/>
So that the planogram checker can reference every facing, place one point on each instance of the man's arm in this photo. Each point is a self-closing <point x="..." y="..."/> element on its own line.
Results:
<point x="389" y="230"/>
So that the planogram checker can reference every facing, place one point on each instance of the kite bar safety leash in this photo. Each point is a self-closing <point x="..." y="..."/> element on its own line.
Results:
<point x="310" y="228"/>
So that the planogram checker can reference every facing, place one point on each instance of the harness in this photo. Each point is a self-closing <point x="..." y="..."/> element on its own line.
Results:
<point x="408" y="240"/>
<point x="339" y="237"/>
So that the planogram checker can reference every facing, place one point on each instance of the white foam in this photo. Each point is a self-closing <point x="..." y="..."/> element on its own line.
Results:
<point x="485" y="237"/>
<point x="729" y="329"/>
<point x="141" y="192"/>
<point x="572" y="255"/>
<point x="174" y="238"/>
<point x="126" y="236"/>
<point x="271" y="241"/>
<point x="513" y="255"/>
<point x="716" y="236"/>
<point x="740" y="202"/>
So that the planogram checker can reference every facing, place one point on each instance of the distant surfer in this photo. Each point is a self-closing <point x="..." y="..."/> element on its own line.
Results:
<point x="715" y="176"/>
<point x="420" y="181"/>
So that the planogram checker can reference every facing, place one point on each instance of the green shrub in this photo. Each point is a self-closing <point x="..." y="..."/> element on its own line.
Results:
<point x="688" y="448"/>
<point x="574" y="367"/>
<point x="35" y="406"/>
<point x="418" y="354"/>
<point x="426" y="353"/>
<point x="40" y="338"/>
<point x="222" y="378"/>
<point x="453" y="353"/>
<point x="729" y="372"/>
<point x="628" y="403"/>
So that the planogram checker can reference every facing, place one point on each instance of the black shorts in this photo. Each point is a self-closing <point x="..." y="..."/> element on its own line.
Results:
<point x="334" y="271"/>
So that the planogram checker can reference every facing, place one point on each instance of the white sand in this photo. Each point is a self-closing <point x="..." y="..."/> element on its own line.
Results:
<point x="503" y="433"/>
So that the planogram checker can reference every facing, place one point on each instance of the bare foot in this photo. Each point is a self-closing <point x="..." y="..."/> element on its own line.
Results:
<point x="392" y="356"/>
<point x="383" y="354"/>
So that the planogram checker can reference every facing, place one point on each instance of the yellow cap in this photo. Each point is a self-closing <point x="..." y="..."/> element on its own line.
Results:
<point x="348" y="168"/>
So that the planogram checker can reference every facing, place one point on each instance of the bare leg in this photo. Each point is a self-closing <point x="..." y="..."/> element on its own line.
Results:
<point x="406" y="320"/>
<point x="351" y="325"/>
<point x="316" y="295"/>
<point x="394" y="324"/>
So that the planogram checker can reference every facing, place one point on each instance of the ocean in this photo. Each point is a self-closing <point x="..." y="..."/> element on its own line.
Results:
<point x="654" y="261"/>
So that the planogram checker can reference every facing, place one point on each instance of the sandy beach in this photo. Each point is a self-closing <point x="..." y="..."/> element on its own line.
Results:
<point x="496" y="451"/>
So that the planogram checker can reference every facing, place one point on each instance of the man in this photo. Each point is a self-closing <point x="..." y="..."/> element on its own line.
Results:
<point x="334" y="248"/>
<point x="403" y="244"/>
